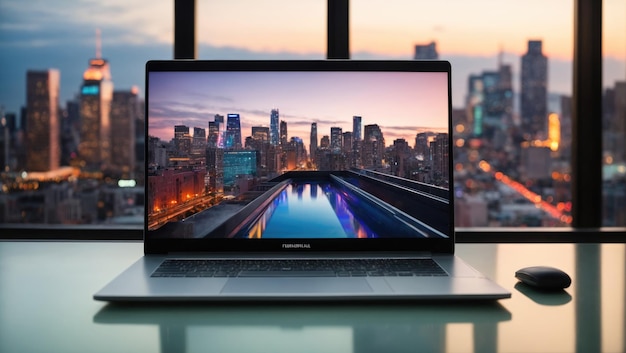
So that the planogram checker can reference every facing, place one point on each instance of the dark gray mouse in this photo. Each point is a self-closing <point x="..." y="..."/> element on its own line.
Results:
<point x="544" y="277"/>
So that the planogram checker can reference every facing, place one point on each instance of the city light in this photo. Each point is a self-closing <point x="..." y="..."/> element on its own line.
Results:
<point x="127" y="183"/>
<point x="90" y="90"/>
<point x="555" y="212"/>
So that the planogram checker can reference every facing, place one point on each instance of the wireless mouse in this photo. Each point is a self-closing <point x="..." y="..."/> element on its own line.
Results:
<point x="544" y="278"/>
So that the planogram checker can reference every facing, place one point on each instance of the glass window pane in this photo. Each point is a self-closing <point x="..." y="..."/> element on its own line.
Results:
<point x="250" y="29"/>
<point x="614" y="112"/>
<point x="512" y="86"/>
<point x="71" y="91"/>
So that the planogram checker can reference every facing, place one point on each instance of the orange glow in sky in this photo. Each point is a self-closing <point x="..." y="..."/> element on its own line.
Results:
<point x="393" y="27"/>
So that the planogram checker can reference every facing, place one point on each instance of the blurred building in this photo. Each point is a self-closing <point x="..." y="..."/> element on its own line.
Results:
<point x="534" y="91"/>
<point x="426" y="51"/>
<point x="124" y="114"/>
<point x="536" y="162"/>
<point x="43" y="125"/>
<point x="96" y="96"/>
<point x="489" y="102"/>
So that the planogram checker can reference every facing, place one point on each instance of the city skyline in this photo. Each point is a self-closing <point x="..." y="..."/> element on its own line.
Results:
<point x="419" y="101"/>
<point x="35" y="36"/>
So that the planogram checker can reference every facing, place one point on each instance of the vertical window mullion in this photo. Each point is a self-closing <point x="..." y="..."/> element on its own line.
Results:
<point x="338" y="30"/>
<point x="184" y="29"/>
<point x="587" y="115"/>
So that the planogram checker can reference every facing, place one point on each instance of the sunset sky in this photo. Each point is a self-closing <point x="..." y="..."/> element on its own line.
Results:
<point x="40" y="34"/>
<point x="401" y="104"/>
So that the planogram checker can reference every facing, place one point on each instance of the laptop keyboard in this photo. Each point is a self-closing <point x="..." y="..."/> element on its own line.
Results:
<point x="298" y="268"/>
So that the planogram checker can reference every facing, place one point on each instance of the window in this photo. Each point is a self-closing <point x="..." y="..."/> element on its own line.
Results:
<point x="248" y="29"/>
<point x="72" y="117"/>
<point x="614" y="113"/>
<point x="49" y="55"/>
<point x="512" y="86"/>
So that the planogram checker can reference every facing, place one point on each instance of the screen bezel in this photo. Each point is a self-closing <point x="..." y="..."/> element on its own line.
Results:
<point x="434" y="245"/>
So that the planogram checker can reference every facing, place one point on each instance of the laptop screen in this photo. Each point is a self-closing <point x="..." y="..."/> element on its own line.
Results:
<point x="297" y="153"/>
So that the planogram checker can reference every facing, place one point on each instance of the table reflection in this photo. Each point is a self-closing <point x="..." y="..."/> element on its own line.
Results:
<point x="315" y="327"/>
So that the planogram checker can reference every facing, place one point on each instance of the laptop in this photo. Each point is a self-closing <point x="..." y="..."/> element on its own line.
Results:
<point x="299" y="180"/>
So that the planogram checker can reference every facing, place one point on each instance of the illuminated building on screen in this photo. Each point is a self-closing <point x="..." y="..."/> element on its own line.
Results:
<point x="198" y="149"/>
<point x="238" y="163"/>
<point x="357" y="138"/>
<point x="274" y="136"/>
<point x="347" y="142"/>
<point x="440" y="157"/>
<point x="336" y="137"/>
<point x="96" y="95"/>
<point x="216" y="132"/>
<point x="373" y="146"/>
<point x="313" y="145"/>
<point x="261" y="134"/>
<point x="43" y="148"/>
<point x="182" y="140"/>
<point x="283" y="133"/>
<point x="232" y="138"/>
<point x="170" y="187"/>
<point x="356" y="128"/>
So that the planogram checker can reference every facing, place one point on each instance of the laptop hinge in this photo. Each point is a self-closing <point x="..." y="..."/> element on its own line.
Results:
<point x="307" y="254"/>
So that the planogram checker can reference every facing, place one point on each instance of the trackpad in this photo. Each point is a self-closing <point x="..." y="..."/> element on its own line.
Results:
<point x="297" y="285"/>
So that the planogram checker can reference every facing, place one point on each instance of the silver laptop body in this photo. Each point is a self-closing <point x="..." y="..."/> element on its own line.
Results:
<point x="299" y="180"/>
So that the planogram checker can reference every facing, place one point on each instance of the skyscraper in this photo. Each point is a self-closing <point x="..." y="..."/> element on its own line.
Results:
<point x="199" y="139"/>
<point x="534" y="96"/>
<point x="198" y="148"/>
<point x="373" y="146"/>
<point x="440" y="156"/>
<point x="283" y="133"/>
<point x="261" y="133"/>
<point x="400" y="153"/>
<point x="357" y="137"/>
<point x="325" y="142"/>
<point x="124" y="112"/>
<point x="274" y="136"/>
<point x="336" y="139"/>
<point x="490" y="101"/>
<point x="347" y="142"/>
<point x="313" y="145"/>
<point x="43" y="148"/>
<point x="182" y="141"/>
<point x="426" y="51"/>
<point x="216" y="129"/>
<point x="233" y="132"/>
<point x="96" y="95"/>
<point x="356" y="128"/>
<point x="213" y="136"/>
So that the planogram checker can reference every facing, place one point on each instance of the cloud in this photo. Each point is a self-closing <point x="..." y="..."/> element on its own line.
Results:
<point x="36" y="22"/>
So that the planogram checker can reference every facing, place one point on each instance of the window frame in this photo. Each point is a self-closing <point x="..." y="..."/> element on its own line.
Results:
<point x="586" y="180"/>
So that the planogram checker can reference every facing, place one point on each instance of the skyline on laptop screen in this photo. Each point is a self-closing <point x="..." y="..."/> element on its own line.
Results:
<point x="297" y="155"/>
